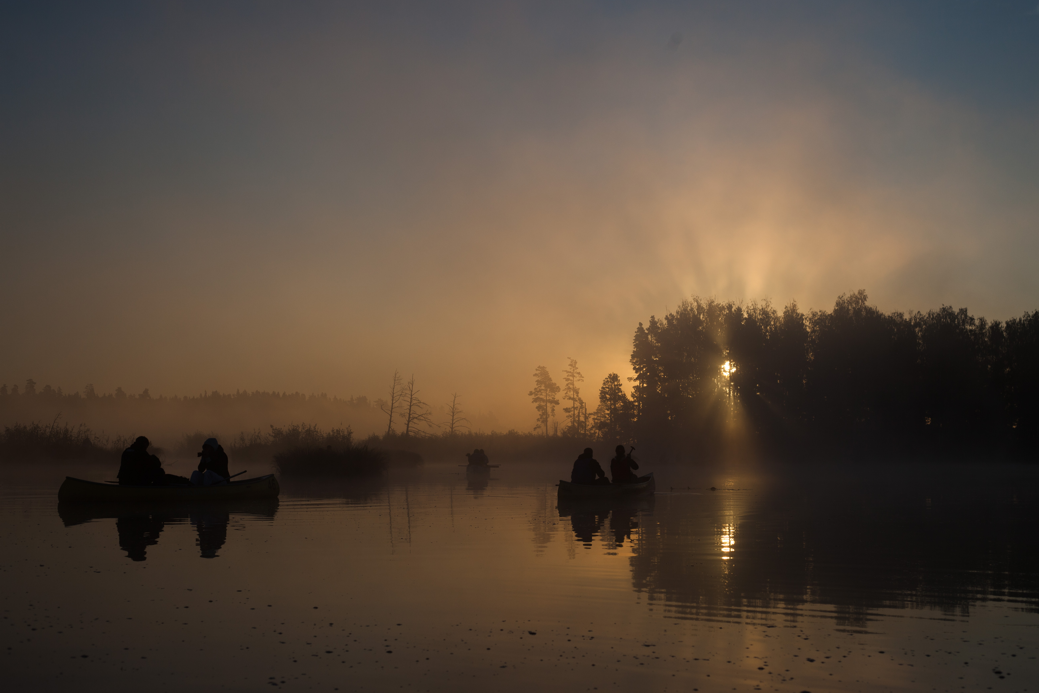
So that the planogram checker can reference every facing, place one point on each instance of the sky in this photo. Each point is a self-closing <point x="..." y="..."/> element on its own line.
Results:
<point x="306" y="196"/>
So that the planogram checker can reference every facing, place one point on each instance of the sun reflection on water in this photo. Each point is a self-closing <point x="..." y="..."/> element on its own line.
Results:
<point x="727" y="540"/>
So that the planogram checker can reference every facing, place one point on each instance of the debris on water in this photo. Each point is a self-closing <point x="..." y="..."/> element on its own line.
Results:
<point x="713" y="488"/>
<point x="532" y="632"/>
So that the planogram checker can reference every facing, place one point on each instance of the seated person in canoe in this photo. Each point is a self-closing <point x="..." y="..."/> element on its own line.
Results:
<point x="212" y="465"/>
<point x="477" y="458"/>
<point x="587" y="470"/>
<point x="138" y="468"/>
<point x="621" y="466"/>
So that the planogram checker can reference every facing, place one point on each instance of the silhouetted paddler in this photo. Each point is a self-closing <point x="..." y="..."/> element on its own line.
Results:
<point x="138" y="467"/>
<point x="587" y="470"/>
<point x="477" y="458"/>
<point x="621" y="466"/>
<point x="212" y="467"/>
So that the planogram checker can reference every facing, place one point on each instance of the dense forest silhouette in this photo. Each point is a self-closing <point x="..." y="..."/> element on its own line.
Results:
<point x="854" y="379"/>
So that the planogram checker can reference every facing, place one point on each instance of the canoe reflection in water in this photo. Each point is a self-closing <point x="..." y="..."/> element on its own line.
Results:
<point x="589" y="516"/>
<point x="477" y="478"/>
<point x="139" y="525"/>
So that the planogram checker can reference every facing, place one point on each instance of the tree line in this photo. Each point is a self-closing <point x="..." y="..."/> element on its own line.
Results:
<point x="167" y="418"/>
<point x="853" y="379"/>
<point x="611" y="419"/>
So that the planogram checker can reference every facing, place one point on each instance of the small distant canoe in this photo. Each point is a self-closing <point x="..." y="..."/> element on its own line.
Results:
<point x="77" y="490"/>
<point x="644" y="485"/>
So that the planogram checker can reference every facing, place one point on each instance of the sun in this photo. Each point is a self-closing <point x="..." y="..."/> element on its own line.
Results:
<point x="728" y="369"/>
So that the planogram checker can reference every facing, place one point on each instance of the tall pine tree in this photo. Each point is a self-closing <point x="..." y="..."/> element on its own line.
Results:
<point x="544" y="397"/>
<point x="572" y="394"/>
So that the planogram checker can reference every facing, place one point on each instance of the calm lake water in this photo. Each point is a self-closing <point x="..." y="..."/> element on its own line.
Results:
<point x="918" y="579"/>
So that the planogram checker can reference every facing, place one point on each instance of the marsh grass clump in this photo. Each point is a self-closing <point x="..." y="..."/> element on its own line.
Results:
<point x="356" y="461"/>
<point x="308" y="451"/>
<point x="56" y="441"/>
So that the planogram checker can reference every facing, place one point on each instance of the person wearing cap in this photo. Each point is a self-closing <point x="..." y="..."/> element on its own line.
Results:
<point x="138" y="467"/>
<point x="212" y="467"/>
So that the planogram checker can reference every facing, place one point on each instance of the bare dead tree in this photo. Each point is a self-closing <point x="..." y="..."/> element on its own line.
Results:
<point x="455" y="420"/>
<point x="396" y="394"/>
<point x="416" y="412"/>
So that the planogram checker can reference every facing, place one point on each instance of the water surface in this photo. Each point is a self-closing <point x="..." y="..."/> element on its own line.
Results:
<point x="923" y="578"/>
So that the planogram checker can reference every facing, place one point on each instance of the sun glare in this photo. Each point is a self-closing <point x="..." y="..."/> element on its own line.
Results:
<point x="728" y="369"/>
<point x="727" y="539"/>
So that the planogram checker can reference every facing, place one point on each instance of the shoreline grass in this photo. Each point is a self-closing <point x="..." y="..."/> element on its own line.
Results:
<point x="38" y="442"/>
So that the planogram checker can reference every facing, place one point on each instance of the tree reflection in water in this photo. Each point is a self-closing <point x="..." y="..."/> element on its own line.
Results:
<point x="833" y="547"/>
<point x="139" y="526"/>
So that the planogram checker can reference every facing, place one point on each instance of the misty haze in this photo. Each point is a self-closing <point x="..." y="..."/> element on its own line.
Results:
<point x="560" y="346"/>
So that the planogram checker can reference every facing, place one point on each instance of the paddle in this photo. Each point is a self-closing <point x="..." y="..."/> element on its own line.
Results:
<point x="228" y="478"/>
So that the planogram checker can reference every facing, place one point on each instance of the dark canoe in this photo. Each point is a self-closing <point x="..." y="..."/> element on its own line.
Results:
<point x="77" y="490"/>
<point x="83" y="511"/>
<point x="645" y="485"/>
